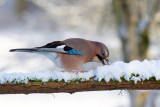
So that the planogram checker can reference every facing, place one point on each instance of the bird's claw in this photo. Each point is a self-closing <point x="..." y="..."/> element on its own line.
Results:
<point x="78" y="70"/>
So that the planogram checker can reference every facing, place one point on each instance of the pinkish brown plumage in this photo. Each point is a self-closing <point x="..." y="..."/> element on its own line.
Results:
<point x="72" y="53"/>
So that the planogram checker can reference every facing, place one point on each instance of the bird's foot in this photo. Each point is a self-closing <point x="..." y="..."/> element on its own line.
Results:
<point x="78" y="70"/>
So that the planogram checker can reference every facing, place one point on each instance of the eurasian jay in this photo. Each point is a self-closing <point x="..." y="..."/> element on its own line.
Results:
<point x="70" y="54"/>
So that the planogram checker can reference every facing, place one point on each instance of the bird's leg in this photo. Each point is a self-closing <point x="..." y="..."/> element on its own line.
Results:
<point x="78" y="70"/>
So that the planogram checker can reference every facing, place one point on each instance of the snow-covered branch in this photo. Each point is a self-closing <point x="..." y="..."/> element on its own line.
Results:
<point x="119" y="75"/>
<point x="74" y="86"/>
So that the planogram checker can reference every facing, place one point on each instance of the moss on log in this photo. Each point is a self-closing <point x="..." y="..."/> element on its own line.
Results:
<point x="75" y="86"/>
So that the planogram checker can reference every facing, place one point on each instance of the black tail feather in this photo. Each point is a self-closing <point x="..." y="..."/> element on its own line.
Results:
<point x="23" y="50"/>
<point x="59" y="50"/>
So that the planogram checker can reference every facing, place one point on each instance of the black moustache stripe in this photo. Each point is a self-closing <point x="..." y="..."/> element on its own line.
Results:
<point x="100" y="58"/>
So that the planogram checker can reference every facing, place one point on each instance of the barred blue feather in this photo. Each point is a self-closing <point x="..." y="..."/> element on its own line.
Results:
<point x="74" y="52"/>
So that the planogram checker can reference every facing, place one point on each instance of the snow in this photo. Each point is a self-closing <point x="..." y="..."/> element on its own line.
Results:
<point x="141" y="70"/>
<point x="144" y="70"/>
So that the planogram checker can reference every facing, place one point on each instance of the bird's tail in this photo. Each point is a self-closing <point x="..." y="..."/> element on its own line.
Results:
<point x="24" y="50"/>
<point x="59" y="50"/>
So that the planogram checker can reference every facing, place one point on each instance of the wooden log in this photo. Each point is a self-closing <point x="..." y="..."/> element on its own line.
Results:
<point x="72" y="87"/>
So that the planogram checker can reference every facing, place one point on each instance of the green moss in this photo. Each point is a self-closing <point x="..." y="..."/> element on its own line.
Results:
<point x="97" y="83"/>
<point x="103" y="80"/>
<point x="134" y="75"/>
<point x="137" y="75"/>
<point x="51" y="80"/>
<point x="123" y="79"/>
<point x="77" y="81"/>
<point x="152" y="79"/>
<point x="114" y="81"/>
<point x="131" y="81"/>
<point x="36" y="80"/>
<point x="7" y="82"/>
<point x="158" y="81"/>
<point x="55" y="80"/>
<point x="22" y="83"/>
<point x="67" y="83"/>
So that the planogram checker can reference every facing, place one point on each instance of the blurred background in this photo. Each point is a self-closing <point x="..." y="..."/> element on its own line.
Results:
<point x="129" y="28"/>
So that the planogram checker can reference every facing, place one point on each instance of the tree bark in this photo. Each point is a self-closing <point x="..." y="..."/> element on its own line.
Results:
<point x="72" y="87"/>
<point x="21" y="7"/>
<point x="133" y="28"/>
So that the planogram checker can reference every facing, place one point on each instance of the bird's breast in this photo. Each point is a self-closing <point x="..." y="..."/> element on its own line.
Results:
<point x="71" y="62"/>
<point x="90" y="66"/>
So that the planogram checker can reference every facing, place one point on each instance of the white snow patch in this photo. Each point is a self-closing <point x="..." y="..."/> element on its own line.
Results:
<point x="115" y="71"/>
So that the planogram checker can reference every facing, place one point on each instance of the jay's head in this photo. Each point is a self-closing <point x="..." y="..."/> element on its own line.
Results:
<point x="102" y="53"/>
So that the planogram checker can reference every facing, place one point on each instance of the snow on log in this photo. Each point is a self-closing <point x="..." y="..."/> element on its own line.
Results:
<point x="119" y="75"/>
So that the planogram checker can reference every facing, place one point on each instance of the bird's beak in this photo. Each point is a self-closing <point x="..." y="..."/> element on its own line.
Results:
<point x="105" y="62"/>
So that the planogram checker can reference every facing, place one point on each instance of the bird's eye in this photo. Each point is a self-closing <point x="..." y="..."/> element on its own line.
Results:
<point x="103" y="53"/>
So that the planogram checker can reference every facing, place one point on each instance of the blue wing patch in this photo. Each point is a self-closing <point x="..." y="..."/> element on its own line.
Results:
<point x="75" y="52"/>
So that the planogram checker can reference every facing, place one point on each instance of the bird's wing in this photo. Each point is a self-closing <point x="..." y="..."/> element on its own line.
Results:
<point x="59" y="47"/>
